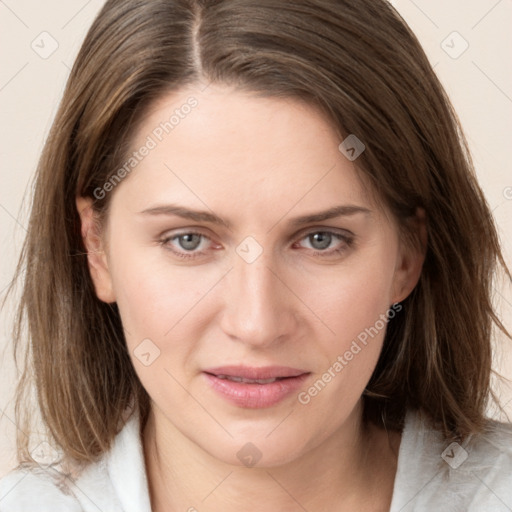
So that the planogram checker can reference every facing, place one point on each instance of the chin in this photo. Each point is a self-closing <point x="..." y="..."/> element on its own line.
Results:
<point x="259" y="450"/>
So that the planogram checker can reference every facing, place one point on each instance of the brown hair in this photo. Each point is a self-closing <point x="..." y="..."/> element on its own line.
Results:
<point x="361" y="65"/>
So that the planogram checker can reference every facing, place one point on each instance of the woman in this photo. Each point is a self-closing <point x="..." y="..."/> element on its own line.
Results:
<point x="258" y="272"/>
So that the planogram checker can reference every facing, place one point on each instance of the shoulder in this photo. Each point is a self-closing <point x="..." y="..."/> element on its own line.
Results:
<point x="488" y="457"/>
<point x="115" y="482"/>
<point x="478" y="472"/>
<point x="36" y="488"/>
<point x="472" y="476"/>
<point x="56" y="488"/>
<point x="491" y="448"/>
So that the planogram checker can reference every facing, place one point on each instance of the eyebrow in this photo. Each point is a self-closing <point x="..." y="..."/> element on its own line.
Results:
<point x="204" y="216"/>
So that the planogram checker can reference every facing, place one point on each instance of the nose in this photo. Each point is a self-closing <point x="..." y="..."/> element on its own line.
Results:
<point x="259" y="309"/>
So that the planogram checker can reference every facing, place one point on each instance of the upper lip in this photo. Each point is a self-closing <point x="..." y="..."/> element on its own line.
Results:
<point x="251" y="372"/>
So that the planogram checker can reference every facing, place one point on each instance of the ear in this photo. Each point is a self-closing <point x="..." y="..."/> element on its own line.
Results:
<point x="411" y="258"/>
<point x="94" y="245"/>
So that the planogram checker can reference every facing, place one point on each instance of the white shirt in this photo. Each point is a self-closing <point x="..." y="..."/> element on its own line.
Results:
<point x="431" y="476"/>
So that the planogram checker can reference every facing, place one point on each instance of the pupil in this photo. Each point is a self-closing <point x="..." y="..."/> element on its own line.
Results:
<point x="320" y="240"/>
<point x="190" y="241"/>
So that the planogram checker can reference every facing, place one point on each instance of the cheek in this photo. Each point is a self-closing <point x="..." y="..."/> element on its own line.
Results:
<point x="351" y="299"/>
<point x="353" y="306"/>
<point x="157" y="299"/>
<point x="142" y="293"/>
<point x="157" y="304"/>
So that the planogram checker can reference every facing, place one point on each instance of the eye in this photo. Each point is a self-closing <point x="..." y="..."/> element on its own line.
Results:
<point x="189" y="241"/>
<point x="321" y="240"/>
<point x="185" y="245"/>
<point x="325" y="243"/>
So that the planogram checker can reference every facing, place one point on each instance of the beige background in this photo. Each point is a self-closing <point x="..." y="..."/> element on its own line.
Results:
<point x="478" y="80"/>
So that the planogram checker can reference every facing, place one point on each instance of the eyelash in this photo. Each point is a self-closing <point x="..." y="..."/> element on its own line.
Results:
<point x="347" y="239"/>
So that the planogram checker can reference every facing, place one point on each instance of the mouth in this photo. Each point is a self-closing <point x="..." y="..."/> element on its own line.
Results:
<point x="255" y="373"/>
<point x="250" y="381"/>
<point x="253" y="387"/>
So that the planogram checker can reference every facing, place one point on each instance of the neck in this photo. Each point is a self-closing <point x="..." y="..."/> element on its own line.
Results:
<point x="336" y="473"/>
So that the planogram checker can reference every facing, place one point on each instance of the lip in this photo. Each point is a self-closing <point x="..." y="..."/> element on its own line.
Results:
<point x="255" y="395"/>
<point x="253" y="372"/>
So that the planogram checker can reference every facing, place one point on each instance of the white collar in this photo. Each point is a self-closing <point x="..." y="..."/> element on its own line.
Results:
<point x="127" y="469"/>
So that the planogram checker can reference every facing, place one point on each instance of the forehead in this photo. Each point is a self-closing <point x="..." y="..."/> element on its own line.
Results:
<point x="228" y="149"/>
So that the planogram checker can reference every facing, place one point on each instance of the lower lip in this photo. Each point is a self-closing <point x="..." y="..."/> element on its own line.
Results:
<point x="255" y="396"/>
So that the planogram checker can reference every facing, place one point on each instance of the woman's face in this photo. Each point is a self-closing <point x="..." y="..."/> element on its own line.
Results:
<point x="242" y="244"/>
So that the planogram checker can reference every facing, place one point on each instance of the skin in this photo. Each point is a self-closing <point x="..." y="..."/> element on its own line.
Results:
<point x="257" y="163"/>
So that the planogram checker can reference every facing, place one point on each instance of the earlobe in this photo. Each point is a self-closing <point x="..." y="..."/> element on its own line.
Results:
<point x="96" y="255"/>
<point x="411" y="259"/>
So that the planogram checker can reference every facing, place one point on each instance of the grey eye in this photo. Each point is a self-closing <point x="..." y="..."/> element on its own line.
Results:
<point x="189" y="241"/>
<point x="320" y="240"/>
